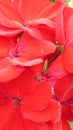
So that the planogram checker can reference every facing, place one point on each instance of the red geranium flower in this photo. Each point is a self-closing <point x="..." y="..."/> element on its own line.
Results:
<point x="64" y="21"/>
<point x="62" y="64"/>
<point x="26" y="52"/>
<point x="14" y="21"/>
<point x="23" y="99"/>
<point x="56" y="70"/>
<point x="21" y="15"/>
<point x="7" y="70"/>
<point x="64" y="93"/>
<point x="66" y="37"/>
<point x="31" y="51"/>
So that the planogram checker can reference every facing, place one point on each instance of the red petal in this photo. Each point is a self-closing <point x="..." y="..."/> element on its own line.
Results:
<point x="65" y="125"/>
<point x="17" y="123"/>
<point x="46" y="28"/>
<point x="62" y="125"/>
<point x="55" y="126"/>
<point x="6" y="111"/>
<point x="68" y="59"/>
<point x="19" y="87"/>
<point x="37" y="69"/>
<point x="25" y="124"/>
<point x="41" y="126"/>
<point x="8" y="12"/>
<point x="67" y="111"/>
<point x="56" y="69"/>
<point x="21" y="62"/>
<point x="52" y="10"/>
<point x="8" y="71"/>
<point x="68" y="20"/>
<point x="26" y="8"/>
<point x="64" y="88"/>
<point x="52" y="112"/>
<point x="30" y="49"/>
<point x="5" y="46"/>
<point x="38" y="100"/>
<point x="60" y="32"/>
<point x="9" y="32"/>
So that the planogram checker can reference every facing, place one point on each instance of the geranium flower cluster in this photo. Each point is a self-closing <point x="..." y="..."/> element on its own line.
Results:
<point x="36" y="65"/>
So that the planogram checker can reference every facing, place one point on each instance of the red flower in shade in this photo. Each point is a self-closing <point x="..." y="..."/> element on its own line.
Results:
<point x="19" y="16"/>
<point x="23" y="99"/>
<point x="61" y="125"/>
<point x="64" y="93"/>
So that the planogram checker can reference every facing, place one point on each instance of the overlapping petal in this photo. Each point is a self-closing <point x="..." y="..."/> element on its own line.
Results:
<point x="25" y="95"/>
<point x="56" y="69"/>
<point x="64" y="93"/>
<point x="30" y="35"/>
<point x="31" y="51"/>
<point x="64" y="88"/>
<point x="68" y="59"/>
<point x="7" y="70"/>
<point x="48" y="114"/>
<point x="6" y="111"/>
<point x="19" y="86"/>
<point x="36" y="102"/>
<point x="18" y="15"/>
<point x="26" y="8"/>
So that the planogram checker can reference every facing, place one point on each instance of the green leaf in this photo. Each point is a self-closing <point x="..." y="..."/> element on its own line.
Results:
<point x="45" y="67"/>
<point x="52" y="0"/>
<point x="66" y="1"/>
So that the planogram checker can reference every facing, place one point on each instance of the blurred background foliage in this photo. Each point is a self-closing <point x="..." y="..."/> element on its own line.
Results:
<point x="69" y="2"/>
<point x="71" y="125"/>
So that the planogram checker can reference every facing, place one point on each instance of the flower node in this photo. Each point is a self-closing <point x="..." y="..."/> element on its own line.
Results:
<point x="16" y="101"/>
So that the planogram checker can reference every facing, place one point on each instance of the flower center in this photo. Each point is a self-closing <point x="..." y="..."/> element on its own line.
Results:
<point x="16" y="53"/>
<point x="16" y="101"/>
<point x="39" y="78"/>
